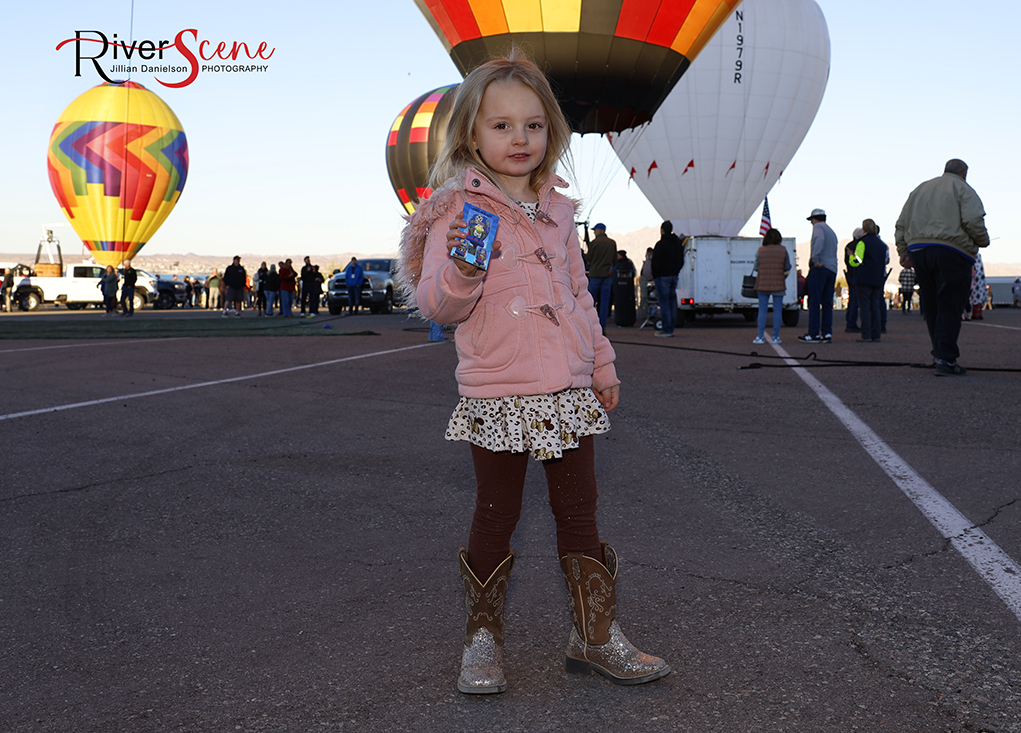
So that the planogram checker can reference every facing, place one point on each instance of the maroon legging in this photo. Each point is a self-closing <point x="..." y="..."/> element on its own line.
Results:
<point x="571" y="481"/>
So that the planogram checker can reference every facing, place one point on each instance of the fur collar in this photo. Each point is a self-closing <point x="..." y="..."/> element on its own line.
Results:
<point x="411" y="250"/>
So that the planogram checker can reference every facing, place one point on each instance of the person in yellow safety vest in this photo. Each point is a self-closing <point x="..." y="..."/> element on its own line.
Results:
<point x="870" y="279"/>
<point x="858" y="254"/>
<point x="851" y="262"/>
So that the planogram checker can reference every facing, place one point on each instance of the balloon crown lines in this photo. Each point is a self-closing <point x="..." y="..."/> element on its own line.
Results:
<point x="153" y="54"/>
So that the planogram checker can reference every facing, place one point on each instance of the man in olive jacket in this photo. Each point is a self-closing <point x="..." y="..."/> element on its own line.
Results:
<point x="939" y="232"/>
<point x="602" y="253"/>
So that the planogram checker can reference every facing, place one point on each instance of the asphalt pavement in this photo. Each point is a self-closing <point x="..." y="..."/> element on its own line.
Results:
<point x="258" y="531"/>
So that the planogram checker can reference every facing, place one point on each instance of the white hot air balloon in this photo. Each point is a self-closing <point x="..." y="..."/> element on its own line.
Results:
<point x="732" y="124"/>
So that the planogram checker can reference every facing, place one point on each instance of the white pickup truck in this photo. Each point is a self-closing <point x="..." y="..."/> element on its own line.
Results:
<point x="710" y="279"/>
<point x="77" y="288"/>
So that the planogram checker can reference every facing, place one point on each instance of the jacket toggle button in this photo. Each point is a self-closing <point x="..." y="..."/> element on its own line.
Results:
<point x="544" y="258"/>
<point x="545" y="218"/>
<point x="551" y="313"/>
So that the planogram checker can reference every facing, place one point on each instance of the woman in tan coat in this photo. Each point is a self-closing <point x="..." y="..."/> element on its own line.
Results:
<point x="772" y="263"/>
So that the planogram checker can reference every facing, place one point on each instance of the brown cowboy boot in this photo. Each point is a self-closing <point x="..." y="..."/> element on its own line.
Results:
<point x="482" y="658"/>
<point x="597" y="643"/>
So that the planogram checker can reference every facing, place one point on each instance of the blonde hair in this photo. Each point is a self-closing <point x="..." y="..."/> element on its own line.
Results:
<point x="458" y="151"/>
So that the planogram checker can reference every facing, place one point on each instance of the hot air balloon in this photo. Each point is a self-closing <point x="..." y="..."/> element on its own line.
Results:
<point x="117" y="160"/>
<point x="415" y="140"/>
<point x="733" y="123"/>
<point x="612" y="62"/>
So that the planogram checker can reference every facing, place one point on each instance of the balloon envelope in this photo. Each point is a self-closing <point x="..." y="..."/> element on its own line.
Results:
<point x="414" y="143"/>
<point x="117" y="160"/>
<point x="612" y="62"/>
<point x="733" y="123"/>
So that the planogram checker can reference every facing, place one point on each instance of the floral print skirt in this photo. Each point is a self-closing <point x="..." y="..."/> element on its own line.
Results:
<point x="544" y="425"/>
<point x="979" y="293"/>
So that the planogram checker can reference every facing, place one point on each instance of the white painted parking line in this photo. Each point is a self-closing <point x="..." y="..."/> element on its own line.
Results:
<point x="92" y="343"/>
<point x="199" y="385"/>
<point x="994" y="325"/>
<point x="994" y="565"/>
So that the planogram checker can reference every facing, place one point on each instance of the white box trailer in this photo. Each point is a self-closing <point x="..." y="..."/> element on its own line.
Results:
<point x="1002" y="289"/>
<point x="710" y="280"/>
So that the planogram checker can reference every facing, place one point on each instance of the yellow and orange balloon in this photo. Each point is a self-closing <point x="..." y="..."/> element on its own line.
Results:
<point x="612" y="62"/>
<point x="118" y="161"/>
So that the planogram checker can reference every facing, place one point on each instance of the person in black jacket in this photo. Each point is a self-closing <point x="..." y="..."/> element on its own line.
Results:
<point x="129" y="276"/>
<point x="308" y="278"/>
<point x="869" y="280"/>
<point x="260" y="290"/>
<point x="850" y="271"/>
<point x="624" y="290"/>
<point x="315" y="291"/>
<point x="271" y="288"/>
<point x="235" y="278"/>
<point x="667" y="261"/>
<point x="9" y="288"/>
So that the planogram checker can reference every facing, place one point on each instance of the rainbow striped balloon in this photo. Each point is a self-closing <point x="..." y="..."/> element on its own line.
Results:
<point x="117" y="160"/>
<point x="415" y="140"/>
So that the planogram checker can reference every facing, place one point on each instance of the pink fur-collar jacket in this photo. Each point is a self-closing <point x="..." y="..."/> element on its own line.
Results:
<point x="527" y="325"/>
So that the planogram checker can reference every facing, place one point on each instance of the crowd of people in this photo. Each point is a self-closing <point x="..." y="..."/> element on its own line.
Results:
<point x="612" y="274"/>
<point x="939" y="235"/>
<point x="275" y="289"/>
<point x="125" y="280"/>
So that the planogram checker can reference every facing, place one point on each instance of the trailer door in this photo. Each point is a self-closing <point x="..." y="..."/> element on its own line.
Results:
<point x="712" y="272"/>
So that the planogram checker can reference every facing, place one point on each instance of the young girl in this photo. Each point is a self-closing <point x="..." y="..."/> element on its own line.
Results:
<point x="535" y="373"/>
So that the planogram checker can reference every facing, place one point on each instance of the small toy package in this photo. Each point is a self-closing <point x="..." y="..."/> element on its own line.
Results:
<point x="477" y="245"/>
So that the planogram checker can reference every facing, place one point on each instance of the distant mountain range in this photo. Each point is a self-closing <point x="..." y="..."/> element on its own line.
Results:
<point x="193" y="264"/>
<point x="634" y="243"/>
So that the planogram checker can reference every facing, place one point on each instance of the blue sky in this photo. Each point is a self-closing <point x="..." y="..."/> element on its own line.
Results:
<point x="292" y="160"/>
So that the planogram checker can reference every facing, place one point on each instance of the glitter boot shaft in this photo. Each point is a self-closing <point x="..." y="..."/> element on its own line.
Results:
<point x="597" y="644"/>
<point x="482" y="657"/>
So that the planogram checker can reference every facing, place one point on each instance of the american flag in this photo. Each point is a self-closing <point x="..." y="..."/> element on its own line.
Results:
<point x="766" y="224"/>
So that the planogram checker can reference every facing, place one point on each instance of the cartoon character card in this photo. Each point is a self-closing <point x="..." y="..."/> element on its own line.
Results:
<point x="477" y="245"/>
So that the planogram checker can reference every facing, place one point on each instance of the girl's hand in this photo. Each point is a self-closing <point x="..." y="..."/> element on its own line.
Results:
<point x="608" y="397"/>
<point x="454" y="236"/>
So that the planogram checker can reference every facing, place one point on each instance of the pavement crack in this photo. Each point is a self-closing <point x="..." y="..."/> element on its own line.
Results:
<point x="948" y="541"/>
<point x="947" y="544"/>
<point x="94" y="485"/>
<point x="996" y="513"/>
